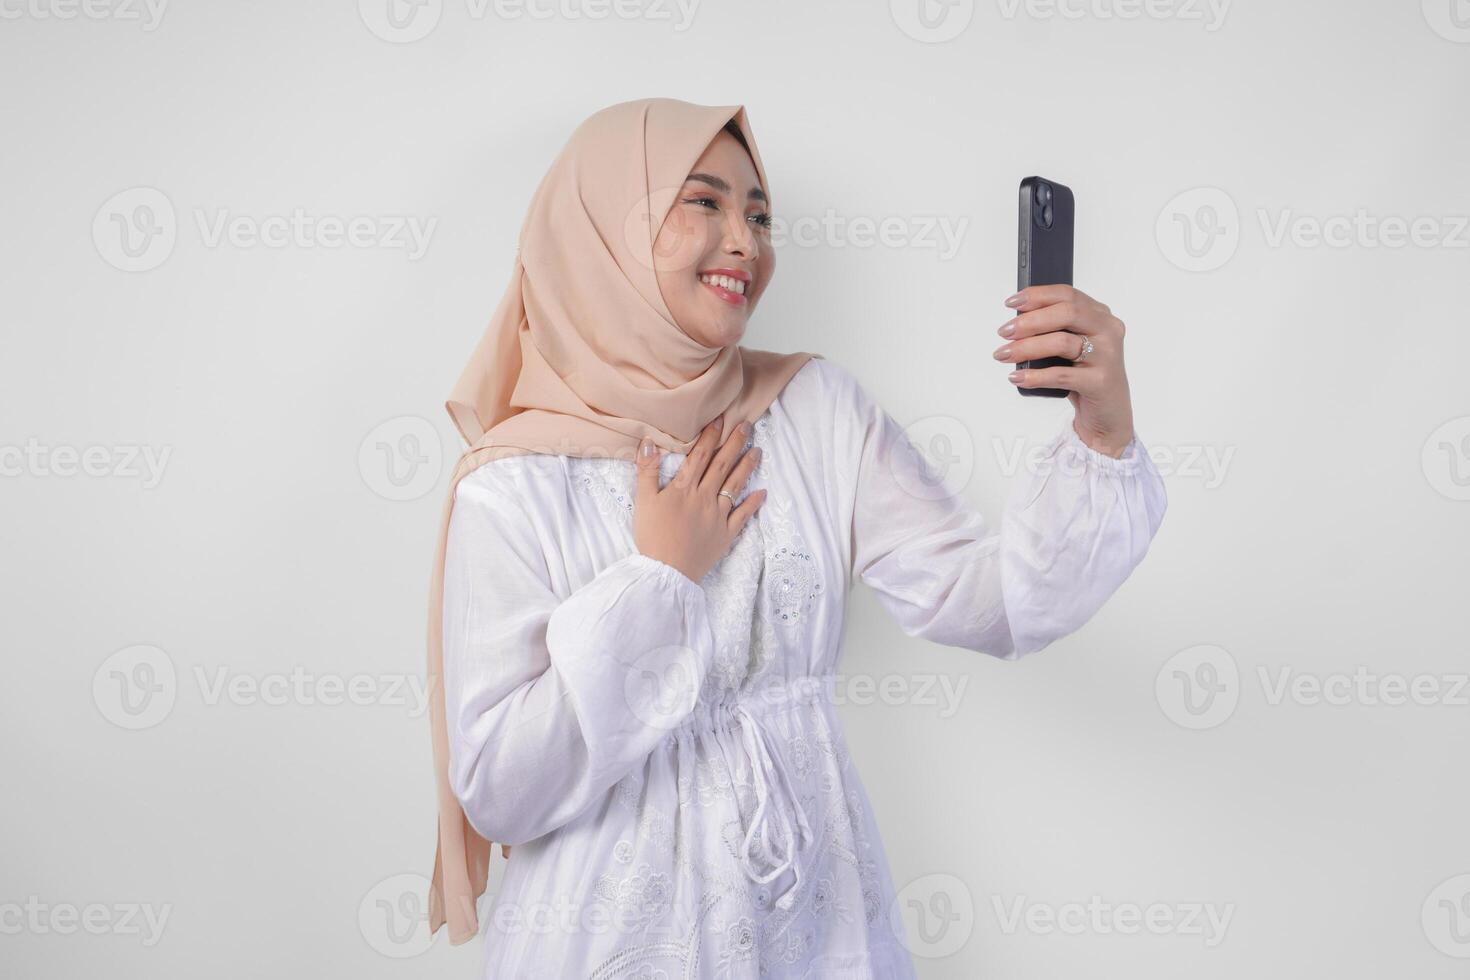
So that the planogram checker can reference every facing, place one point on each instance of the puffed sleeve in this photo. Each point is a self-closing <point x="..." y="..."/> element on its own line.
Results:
<point x="550" y="700"/>
<point x="1076" y="524"/>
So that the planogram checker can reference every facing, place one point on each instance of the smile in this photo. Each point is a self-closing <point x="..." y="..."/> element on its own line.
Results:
<point x="726" y="285"/>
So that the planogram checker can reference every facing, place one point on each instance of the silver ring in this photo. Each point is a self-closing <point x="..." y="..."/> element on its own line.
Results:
<point x="727" y="493"/>
<point x="1086" y="349"/>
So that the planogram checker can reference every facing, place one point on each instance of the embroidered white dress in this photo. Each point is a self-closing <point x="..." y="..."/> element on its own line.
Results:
<point x="665" y="756"/>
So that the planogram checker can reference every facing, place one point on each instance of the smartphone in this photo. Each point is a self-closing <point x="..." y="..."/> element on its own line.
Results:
<point x="1045" y="255"/>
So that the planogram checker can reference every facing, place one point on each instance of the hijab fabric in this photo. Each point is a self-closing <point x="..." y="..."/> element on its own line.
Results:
<point x="583" y="358"/>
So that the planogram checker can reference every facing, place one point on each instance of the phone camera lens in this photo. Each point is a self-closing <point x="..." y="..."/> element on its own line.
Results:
<point x="1046" y="215"/>
<point x="1043" y="194"/>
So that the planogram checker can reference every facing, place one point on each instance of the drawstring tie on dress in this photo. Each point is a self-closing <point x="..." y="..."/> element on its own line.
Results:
<point x="775" y="796"/>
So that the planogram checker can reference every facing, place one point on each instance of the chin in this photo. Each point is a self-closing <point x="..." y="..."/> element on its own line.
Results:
<point x="731" y="333"/>
<point x="715" y="330"/>
<point x="718" y="337"/>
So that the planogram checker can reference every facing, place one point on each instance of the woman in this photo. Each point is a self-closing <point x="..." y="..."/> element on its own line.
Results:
<point x="644" y="565"/>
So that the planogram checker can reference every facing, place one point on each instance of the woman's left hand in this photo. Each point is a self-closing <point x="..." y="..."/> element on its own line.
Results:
<point x="1052" y="321"/>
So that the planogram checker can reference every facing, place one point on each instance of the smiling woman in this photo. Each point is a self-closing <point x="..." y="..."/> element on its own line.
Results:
<point x="637" y="650"/>
<point x="713" y="255"/>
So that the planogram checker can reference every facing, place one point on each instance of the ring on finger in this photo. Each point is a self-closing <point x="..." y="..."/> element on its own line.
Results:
<point x="731" y="489"/>
<point x="1087" y="348"/>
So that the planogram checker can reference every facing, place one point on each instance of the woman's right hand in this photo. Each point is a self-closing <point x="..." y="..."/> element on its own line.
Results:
<point x="687" y="524"/>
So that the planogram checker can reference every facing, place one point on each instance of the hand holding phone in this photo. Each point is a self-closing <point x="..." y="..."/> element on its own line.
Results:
<point x="1045" y="253"/>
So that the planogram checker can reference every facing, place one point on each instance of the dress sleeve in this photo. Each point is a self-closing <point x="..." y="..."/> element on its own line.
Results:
<point x="550" y="700"/>
<point x="1076" y="524"/>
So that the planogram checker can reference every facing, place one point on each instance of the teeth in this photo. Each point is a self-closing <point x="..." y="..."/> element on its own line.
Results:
<point x="728" y="282"/>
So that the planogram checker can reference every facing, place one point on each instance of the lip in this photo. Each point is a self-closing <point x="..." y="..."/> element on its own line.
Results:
<point x="740" y="274"/>
<point x="734" y="299"/>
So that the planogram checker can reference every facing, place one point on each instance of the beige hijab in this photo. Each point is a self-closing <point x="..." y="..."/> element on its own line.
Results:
<point x="583" y="358"/>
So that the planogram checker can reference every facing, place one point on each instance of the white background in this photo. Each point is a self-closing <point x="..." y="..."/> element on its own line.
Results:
<point x="1328" y="536"/>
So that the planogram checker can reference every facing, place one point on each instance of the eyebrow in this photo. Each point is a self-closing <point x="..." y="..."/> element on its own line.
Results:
<point x="719" y="184"/>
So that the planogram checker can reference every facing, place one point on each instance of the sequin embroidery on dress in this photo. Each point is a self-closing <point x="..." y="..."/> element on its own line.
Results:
<point x="759" y="596"/>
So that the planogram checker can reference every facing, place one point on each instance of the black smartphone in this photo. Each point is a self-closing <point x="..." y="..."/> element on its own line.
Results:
<point x="1045" y="256"/>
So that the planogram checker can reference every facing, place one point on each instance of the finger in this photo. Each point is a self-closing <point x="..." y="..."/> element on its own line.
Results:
<point x="1060" y="343"/>
<point x="741" y="475"/>
<point x="747" y="507"/>
<point x="647" y="465"/>
<point x="1067" y="378"/>
<point x="1035" y="297"/>
<point x="1084" y="318"/>
<point x="691" y="471"/>
<point x="725" y="460"/>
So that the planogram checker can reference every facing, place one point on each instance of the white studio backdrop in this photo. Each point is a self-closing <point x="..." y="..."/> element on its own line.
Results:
<point x="248" y="247"/>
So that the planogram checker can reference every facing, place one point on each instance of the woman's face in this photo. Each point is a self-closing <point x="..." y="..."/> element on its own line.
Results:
<point x="718" y="226"/>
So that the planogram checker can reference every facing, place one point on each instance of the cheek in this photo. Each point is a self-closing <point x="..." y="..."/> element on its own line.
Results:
<point x="680" y="244"/>
<point x="676" y="291"/>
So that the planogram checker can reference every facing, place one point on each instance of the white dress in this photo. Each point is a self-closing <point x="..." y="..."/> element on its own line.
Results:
<point x="664" y="755"/>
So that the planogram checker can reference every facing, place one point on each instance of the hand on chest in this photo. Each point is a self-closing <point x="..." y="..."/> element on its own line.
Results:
<point x="765" y="592"/>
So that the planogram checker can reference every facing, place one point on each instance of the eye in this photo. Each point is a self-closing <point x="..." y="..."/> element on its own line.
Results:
<point x="762" y="218"/>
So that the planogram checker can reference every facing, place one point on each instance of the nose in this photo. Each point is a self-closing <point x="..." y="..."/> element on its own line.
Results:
<point x="739" y="239"/>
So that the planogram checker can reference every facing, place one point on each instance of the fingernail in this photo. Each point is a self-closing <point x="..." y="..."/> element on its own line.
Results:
<point x="645" y="448"/>
<point x="745" y="427"/>
<point x="1015" y="300"/>
<point x="1007" y="328"/>
<point x="1014" y="376"/>
<point x="1003" y="353"/>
